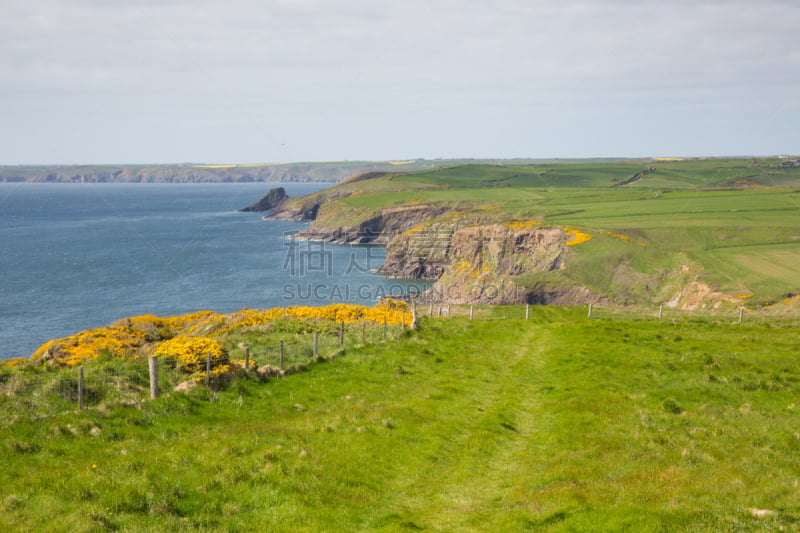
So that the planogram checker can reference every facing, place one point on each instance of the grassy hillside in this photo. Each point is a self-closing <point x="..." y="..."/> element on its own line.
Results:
<point x="733" y="223"/>
<point x="559" y="423"/>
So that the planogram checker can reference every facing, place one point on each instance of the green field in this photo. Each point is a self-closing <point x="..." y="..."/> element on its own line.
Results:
<point x="704" y="215"/>
<point x="620" y="422"/>
<point x="559" y="423"/>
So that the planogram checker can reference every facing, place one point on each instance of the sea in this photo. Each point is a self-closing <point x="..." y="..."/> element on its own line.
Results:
<point x="81" y="256"/>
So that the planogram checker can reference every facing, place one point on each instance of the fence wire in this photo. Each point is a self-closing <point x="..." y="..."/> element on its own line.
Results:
<point x="40" y="392"/>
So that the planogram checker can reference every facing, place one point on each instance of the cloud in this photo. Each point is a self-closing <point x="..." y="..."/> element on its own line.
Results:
<point x="251" y="66"/>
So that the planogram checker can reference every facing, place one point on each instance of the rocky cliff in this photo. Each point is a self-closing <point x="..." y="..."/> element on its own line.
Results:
<point x="482" y="264"/>
<point x="469" y="259"/>
<point x="274" y="198"/>
<point x="381" y="227"/>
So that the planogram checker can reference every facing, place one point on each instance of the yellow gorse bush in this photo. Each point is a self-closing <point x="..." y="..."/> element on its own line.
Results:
<point x="191" y="353"/>
<point x="623" y="238"/>
<point x="392" y="310"/>
<point x="187" y="338"/>
<point x="161" y="328"/>
<point x="576" y="236"/>
<point x="518" y="225"/>
<point x="121" y="341"/>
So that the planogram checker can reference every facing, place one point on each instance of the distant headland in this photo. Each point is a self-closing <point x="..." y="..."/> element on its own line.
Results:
<point x="324" y="171"/>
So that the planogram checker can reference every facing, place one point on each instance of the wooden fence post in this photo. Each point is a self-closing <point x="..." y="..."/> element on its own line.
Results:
<point x="590" y="311"/>
<point x="660" y="312"/>
<point x="152" y="364"/>
<point x="384" y="327"/>
<point x="281" y="357"/>
<point x="741" y="314"/>
<point x="403" y="321"/>
<point x="470" y="311"/>
<point x="527" y="311"/>
<point x="247" y="358"/>
<point x="430" y="311"/>
<point x="208" y="370"/>
<point x="414" y="316"/>
<point x="316" y="343"/>
<point x="364" y="332"/>
<point x="80" y="387"/>
<point x="341" y="332"/>
<point x="448" y="310"/>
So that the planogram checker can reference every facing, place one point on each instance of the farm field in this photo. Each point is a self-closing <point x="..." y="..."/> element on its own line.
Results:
<point x="648" y="221"/>
<point x="558" y="423"/>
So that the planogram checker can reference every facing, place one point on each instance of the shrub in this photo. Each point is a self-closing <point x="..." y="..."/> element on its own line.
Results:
<point x="190" y="353"/>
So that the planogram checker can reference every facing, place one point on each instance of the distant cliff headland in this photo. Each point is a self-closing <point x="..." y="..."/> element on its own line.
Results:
<point x="330" y="171"/>
<point x="683" y="233"/>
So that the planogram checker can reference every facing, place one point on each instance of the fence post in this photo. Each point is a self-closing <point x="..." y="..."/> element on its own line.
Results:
<point x="590" y="311"/>
<point x="281" y="359"/>
<point x="384" y="327"/>
<point x="316" y="343"/>
<point x="660" y="311"/>
<point x="247" y="358"/>
<point x="414" y="316"/>
<point x="527" y="311"/>
<point x="208" y="370"/>
<point x="80" y="387"/>
<point x="741" y="314"/>
<point x="448" y="310"/>
<point x="470" y="311"/>
<point x="430" y="311"/>
<point x="152" y="364"/>
<point x="402" y="321"/>
<point x="341" y="333"/>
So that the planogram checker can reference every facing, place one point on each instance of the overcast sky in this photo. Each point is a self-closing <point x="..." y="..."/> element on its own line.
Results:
<point x="160" y="81"/>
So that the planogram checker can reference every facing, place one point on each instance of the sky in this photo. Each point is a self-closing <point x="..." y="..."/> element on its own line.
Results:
<point x="268" y="81"/>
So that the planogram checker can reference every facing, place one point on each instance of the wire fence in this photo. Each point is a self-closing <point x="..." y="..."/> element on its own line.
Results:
<point x="738" y="316"/>
<point x="40" y="392"/>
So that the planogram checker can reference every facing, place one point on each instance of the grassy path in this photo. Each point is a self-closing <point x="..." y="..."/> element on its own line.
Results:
<point x="559" y="424"/>
<point x="471" y="468"/>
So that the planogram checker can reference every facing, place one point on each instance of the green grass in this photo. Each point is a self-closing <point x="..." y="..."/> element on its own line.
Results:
<point x="556" y="424"/>
<point x="705" y="215"/>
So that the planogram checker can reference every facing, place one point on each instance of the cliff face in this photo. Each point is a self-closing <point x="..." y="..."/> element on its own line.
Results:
<point x="385" y="225"/>
<point x="473" y="259"/>
<point x="478" y="264"/>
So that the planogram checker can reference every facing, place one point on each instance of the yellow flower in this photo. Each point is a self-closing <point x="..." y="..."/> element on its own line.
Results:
<point x="191" y="353"/>
<point x="576" y="236"/>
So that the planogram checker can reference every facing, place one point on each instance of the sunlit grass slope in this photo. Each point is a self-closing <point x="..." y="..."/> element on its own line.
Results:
<point x="559" y="423"/>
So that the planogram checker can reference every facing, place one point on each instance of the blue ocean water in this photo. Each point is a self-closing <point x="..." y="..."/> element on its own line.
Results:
<point x="79" y="256"/>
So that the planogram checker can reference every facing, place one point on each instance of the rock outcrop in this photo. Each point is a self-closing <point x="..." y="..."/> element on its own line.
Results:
<point x="476" y="264"/>
<point x="274" y="198"/>
<point x="382" y="228"/>
<point x="482" y="263"/>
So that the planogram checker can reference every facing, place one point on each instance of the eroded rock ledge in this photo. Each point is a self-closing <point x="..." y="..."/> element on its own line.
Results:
<point x="382" y="228"/>
<point x="482" y="264"/>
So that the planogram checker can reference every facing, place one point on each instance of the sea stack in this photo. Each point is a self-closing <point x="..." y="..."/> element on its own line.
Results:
<point x="269" y="201"/>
